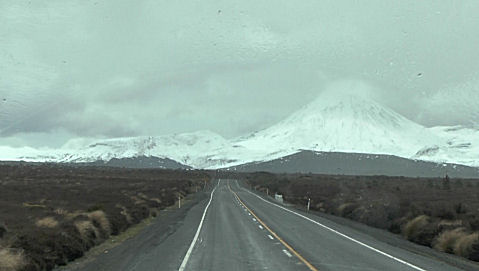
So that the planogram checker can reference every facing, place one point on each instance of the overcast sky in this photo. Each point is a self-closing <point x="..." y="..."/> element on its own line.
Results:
<point x="124" y="68"/>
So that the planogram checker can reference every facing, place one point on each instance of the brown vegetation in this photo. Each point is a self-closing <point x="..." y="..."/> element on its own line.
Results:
<point x="52" y="214"/>
<point x="446" y="241"/>
<point x="11" y="260"/>
<point x="466" y="245"/>
<point x="442" y="213"/>
<point x="47" y="222"/>
<point x="101" y="222"/>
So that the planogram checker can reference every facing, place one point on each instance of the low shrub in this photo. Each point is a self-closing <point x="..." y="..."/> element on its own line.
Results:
<point x="87" y="230"/>
<point x="414" y="226"/>
<point x="55" y="213"/>
<point x="47" y="222"/>
<point x="446" y="241"/>
<point x="421" y="230"/>
<point x="435" y="212"/>
<point x="100" y="221"/>
<point x="346" y="209"/>
<point x="466" y="245"/>
<point x="11" y="260"/>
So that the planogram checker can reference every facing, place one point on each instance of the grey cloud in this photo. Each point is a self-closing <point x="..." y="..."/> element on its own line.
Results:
<point x="113" y="68"/>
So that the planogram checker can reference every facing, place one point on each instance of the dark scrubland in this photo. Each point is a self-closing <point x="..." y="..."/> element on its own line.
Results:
<point x="441" y="213"/>
<point x="52" y="214"/>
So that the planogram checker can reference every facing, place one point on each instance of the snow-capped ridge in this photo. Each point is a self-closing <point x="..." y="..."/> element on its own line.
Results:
<point x="343" y="118"/>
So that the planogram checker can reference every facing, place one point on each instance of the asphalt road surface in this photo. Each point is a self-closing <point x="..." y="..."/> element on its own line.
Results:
<point x="232" y="228"/>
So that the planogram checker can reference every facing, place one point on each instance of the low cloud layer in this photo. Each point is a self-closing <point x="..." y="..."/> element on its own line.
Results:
<point x="116" y="68"/>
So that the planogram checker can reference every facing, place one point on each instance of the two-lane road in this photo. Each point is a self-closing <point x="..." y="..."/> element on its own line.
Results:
<point x="232" y="239"/>
<point x="232" y="228"/>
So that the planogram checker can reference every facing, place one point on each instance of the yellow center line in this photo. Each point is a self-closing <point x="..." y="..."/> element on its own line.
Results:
<point x="301" y="258"/>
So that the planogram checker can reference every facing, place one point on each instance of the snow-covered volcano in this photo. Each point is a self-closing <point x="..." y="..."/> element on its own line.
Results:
<point x="341" y="119"/>
<point x="345" y="119"/>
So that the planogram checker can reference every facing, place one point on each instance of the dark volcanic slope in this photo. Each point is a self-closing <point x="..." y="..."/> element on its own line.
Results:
<point x="358" y="164"/>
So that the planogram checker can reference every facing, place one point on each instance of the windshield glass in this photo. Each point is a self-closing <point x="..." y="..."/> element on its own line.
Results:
<point x="239" y="135"/>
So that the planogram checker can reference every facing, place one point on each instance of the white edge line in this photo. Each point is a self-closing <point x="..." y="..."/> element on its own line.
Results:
<point x="287" y="253"/>
<point x="342" y="234"/>
<point x="270" y="237"/>
<point x="190" y="249"/>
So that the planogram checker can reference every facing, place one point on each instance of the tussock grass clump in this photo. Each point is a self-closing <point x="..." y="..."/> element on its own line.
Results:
<point x="157" y="200"/>
<point x="434" y="212"/>
<point x="124" y="212"/>
<point x="61" y="211"/>
<point x="11" y="260"/>
<point x="87" y="230"/>
<point x="47" y="222"/>
<point x="447" y="240"/>
<point x="413" y="227"/>
<point x="99" y="220"/>
<point x="451" y="223"/>
<point x="346" y="209"/>
<point x="54" y="213"/>
<point x="137" y="200"/>
<point x="464" y="246"/>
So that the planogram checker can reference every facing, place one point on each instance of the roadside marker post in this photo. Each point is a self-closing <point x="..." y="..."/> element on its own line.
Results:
<point x="309" y="203"/>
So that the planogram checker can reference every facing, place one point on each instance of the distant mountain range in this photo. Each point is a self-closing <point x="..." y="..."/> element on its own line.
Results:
<point x="335" y="122"/>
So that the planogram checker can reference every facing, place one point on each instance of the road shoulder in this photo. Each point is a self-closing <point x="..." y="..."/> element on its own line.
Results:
<point x="147" y="234"/>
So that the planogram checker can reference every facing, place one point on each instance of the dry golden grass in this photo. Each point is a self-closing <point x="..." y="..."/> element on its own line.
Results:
<point x="99" y="218"/>
<point x="70" y="195"/>
<point x="342" y="207"/>
<point x="446" y="241"/>
<point x="137" y="200"/>
<point x="454" y="223"/>
<point x="346" y="207"/>
<point x="47" y="222"/>
<point x="143" y="196"/>
<point x="463" y="246"/>
<point x="33" y="205"/>
<point x="127" y="215"/>
<point x="61" y="211"/>
<point x="10" y="260"/>
<point x="412" y="227"/>
<point x="74" y="214"/>
<point x="86" y="229"/>
<point x="157" y="200"/>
